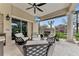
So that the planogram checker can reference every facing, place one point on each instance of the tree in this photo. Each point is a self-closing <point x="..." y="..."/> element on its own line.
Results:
<point x="53" y="30"/>
<point x="65" y="24"/>
<point x="51" y="23"/>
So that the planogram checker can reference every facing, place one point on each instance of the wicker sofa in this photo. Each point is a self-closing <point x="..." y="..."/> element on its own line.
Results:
<point x="36" y="48"/>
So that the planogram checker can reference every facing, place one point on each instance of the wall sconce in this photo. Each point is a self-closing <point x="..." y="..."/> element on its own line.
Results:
<point x="7" y="17"/>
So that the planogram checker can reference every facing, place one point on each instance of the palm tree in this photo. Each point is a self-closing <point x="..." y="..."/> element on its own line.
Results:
<point x="51" y="23"/>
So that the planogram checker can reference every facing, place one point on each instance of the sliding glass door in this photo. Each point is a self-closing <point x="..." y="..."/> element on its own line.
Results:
<point x="19" y="26"/>
<point x="24" y="28"/>
<point x="16" y="27"/>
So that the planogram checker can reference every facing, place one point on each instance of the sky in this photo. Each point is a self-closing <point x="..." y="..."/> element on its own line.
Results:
<point x="58" y="21"/>
<point x="77" y="7"/>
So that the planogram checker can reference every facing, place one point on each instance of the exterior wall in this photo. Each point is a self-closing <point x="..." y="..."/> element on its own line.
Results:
<point x="13" y="11"/>
<point x="6" y="9"/>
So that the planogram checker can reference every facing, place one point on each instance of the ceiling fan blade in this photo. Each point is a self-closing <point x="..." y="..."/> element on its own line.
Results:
<point x="29" y="8"/>
<point x="29" y="3"/>
<point x="34" y="10"/>
<point x="41" y="4"/>
<point x="39" y="9"/>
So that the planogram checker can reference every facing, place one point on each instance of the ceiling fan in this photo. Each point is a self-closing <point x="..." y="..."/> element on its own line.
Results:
<point x="35" y="6"/>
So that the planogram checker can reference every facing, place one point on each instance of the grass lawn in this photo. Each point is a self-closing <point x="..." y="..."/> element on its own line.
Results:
<point x="61" y="35"/>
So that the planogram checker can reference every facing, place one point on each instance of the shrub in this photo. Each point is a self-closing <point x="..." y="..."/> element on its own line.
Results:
<point x="61" y="35"/>
<point x="77" y="36"/>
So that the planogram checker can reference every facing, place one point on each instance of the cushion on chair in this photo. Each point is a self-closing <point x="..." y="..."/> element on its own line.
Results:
<point x="22" y="36"/>
<point x="25" y="38"/>
<point x="35" y="42"/>
<point x="19" y="35"/>
<point x="36" y="37"/>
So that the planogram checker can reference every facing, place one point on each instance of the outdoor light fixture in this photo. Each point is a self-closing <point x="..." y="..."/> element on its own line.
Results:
<point x="7" y="17"/>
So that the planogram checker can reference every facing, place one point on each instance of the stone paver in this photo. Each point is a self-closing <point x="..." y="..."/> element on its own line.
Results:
<point x="61" y="48"/>
<point x="64" y="48"/>
<point x="12" y="50"/>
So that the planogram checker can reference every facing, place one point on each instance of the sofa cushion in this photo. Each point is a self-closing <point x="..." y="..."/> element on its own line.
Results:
<point x="19" y="35"/>
<point x="35" y="42"/>
<point x="36" y="38"/>
<point x="22" y="36"/>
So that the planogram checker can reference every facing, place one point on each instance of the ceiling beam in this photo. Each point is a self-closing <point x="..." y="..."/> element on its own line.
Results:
<point x="58" y="13"/>
<point x="52" y="18"/>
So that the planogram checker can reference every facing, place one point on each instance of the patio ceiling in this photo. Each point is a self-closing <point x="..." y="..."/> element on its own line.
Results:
<point x="51" y="10"/>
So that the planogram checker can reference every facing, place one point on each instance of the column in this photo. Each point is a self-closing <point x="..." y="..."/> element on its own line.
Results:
<point x="29" y="29"/>
<point x="70" y="27"/>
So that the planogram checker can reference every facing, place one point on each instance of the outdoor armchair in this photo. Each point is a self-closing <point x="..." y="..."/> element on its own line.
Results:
<point x="20" y="39"/>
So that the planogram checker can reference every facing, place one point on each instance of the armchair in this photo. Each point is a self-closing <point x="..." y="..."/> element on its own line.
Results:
<point x="20" y="39"/>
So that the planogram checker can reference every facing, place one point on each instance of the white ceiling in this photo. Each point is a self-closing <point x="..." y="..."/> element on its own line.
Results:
<point x="47" y="8"/>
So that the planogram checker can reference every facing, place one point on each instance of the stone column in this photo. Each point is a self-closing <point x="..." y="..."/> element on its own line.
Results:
<point x="29" y="29"/>
<point x="70" y="27"/>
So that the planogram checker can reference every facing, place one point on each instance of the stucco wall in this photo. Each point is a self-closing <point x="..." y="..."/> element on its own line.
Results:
<point x="6" y="9"/>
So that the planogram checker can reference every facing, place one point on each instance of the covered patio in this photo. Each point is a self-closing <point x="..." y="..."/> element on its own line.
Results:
<point x="51" y="11"/>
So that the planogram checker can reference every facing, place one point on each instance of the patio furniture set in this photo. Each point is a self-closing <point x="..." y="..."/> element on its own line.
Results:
<point x="34" y="46"/>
